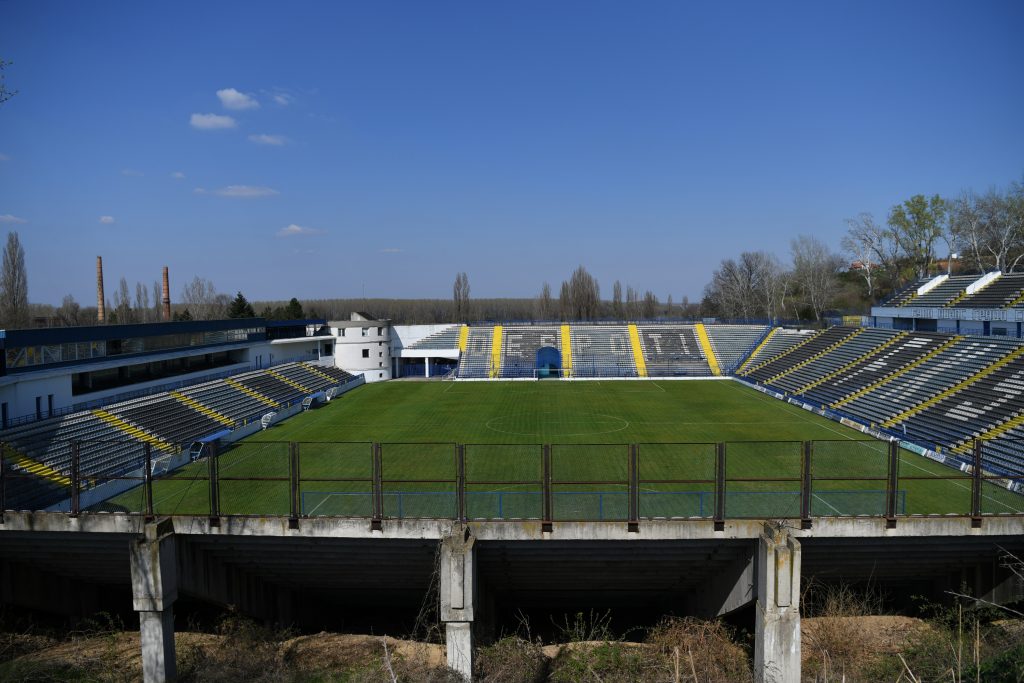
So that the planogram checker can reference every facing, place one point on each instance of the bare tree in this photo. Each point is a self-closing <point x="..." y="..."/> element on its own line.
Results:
<point x="864" y="243"/>
<point x="156" y="314"/>
<point x="13" y="285"/>
<point x="632" y="308"/>
<point x="545" y="306"/>
<point x="200" y="299"/>
<point x="754" y="286"/>
<point x="565" y="301"/>
<point x="141" y="303"/>
<point x="669" y="306"/>
<point x="649" y="309"/>
<point x="814" y="273"/>
<point x="584" y="295"/>
<point x="69" y="311"/>
<point x="460" y="297"/>
<point x="990" y="228"/>
<point x="617" y="311"/>
<point x="122" y="312"/>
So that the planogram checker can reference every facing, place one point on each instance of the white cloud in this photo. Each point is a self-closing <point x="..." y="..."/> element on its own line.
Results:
<point x="132" y="173"/>
<point x="264" y="139"/>
<point x="107" y="220"/>
<point x="239" y="101"/>
<point x="284" y="99"/>
<point x="296" y="230"/>
<point x="178" y="175"/>
<point x="244" y="191"/>
<point x="212" y="122"/>
<point x="8" y="218"/>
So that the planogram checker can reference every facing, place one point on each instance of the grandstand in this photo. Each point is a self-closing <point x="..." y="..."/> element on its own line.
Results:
<point x="110" y="440"/>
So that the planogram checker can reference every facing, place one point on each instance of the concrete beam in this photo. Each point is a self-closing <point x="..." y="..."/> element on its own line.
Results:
<point x="777" y="621"/>
<point x="154" y="590"/>
<point x="458" y="598"/>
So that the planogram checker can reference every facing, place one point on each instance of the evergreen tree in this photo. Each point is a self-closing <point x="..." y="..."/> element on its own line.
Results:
<point x="241" y="308"/>
<point x="293" y="311"/>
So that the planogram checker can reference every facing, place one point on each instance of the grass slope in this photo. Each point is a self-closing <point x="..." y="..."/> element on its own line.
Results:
<point x="589" y="425"/>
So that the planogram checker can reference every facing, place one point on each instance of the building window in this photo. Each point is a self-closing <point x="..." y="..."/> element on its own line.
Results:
<point x="366" y="331"/>
<point x="39" y="407"/>
<point x="380" y="365"/>
<point x="341" y="331"/>
<point x="380" y="331"/>
<point x="366" y="353"/>
<point x="380" y="354"/>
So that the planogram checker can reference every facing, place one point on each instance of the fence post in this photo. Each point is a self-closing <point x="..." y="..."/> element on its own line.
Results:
<point x="634" y="489"/>
<point x="806" y="492"/>
<point x="147" y="481"/>
<point x="547" y="518"/>
<point x="74" y="478"/>
<point x="720" y="486"/>
<point x="293" y="485"/>
<point x="891" y="491"/>
<point x="377" y="521"/>
<point x="976" y="482"/>
<point x="460" y="481"/>
<point x="213" y="462"/>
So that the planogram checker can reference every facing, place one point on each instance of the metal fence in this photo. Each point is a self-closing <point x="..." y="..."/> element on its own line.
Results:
<point x="546" y="483"/>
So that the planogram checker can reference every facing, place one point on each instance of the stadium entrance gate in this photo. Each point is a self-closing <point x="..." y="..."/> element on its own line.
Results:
<point x="549" y="363"/>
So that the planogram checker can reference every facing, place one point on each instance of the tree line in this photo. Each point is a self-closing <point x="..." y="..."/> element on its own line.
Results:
<point x="922" y="236"/>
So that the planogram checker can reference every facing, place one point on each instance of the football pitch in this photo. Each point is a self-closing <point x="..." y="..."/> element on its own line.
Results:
<point x="589" y="427"/>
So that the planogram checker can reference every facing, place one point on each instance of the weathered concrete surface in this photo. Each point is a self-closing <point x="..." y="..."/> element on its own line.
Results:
<point x="330" y="527"/>
<point x="154" y="590"/>
<point x="457" y="591"/>
<point x="777" y="620"/>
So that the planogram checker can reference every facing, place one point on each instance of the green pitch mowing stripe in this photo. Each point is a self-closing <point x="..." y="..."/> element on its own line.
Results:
<point x="589" y="425"/>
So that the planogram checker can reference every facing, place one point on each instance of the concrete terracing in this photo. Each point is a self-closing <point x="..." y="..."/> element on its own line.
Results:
<point x="342" y="573"/>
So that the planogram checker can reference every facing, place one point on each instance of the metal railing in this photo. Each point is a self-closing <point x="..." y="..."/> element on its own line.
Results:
<point x="547" y="483"/>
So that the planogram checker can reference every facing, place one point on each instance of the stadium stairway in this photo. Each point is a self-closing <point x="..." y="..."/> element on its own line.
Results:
<point x="777" y="356"/>
<point x="252" y="392"/>
<point x="205" y="410"/>
<point x="638" y="352"/>
<point x="566" y="348"/>
<point x="290" y="382"/>
<point x="705" y="346"/>
<point x="134" y="431"/>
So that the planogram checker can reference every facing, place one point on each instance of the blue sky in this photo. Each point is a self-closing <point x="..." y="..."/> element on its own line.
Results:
<point x="383" y="147"/>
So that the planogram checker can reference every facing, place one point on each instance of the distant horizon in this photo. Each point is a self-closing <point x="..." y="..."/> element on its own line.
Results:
<point x="347" y="151"/>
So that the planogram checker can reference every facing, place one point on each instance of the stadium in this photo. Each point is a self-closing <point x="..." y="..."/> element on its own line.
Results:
<point x="691" y="437"/>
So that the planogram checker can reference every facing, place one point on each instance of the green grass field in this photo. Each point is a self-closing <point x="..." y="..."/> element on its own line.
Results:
<point x="589" y="425"/>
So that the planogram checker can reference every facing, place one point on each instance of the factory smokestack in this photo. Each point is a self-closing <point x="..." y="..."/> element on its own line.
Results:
<point x="101" y="307"/>
<point x="167" y="296"/>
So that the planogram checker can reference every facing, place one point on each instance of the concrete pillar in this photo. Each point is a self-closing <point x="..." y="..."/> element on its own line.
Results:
<point x="426" y="366"/>
<point x="458" y="598"/>
<point x="777" y="627"/>
<point x="154" y="590"/>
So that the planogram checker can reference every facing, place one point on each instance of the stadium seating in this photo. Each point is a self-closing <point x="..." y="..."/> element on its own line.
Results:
<point x="798" y="354"/>
<point x="602" y="351"/>
<point x="945" y="292"/>
<point x="906" y="295"/>
<point x="475" y="361"/>
<point x="854" y="347"/>
<point x="1002" y="292"/>
<point x="519" y="345"/>
<point x="732" y="343"/>
<point x="671" y="351"/>
<point x="446" y="339"/>
<point x="111" y="439"/>
<point x="778" y="341"/>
